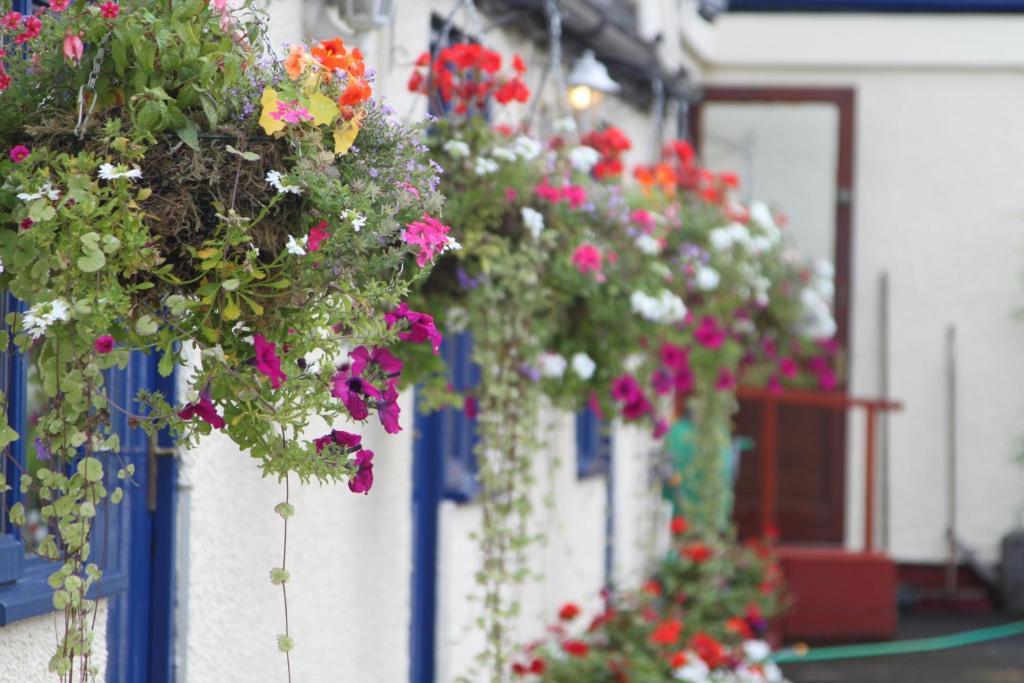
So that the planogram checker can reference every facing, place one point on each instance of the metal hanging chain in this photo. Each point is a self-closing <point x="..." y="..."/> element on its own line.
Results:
<point x="90" y="86"/>
<point x="554" y="65"/>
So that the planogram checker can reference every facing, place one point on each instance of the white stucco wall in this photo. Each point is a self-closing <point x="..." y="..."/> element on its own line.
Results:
<point x="937" y="204"/>
<point x="27" y="646"/>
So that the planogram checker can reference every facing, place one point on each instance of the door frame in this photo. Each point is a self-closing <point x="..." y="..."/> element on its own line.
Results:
<point x="844" y="98"/>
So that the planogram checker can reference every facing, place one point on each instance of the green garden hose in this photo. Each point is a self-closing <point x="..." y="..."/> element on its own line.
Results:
<point x="794" y="655"/>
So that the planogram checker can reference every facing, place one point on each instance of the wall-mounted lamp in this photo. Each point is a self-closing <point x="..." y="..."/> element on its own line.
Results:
<point x="588" y="81"/>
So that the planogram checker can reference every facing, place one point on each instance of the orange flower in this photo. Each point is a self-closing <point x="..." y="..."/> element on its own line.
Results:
<point x="356" y="91"/>
<point x="331" y="53"/>
<point x="356" y="67"/>
<point x="295" y="62"/>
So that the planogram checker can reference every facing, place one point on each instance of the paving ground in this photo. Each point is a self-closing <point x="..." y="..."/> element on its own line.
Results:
<point x="998" y="661"/>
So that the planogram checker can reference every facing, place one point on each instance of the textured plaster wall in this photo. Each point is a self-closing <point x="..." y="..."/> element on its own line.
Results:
<point x="26" y="647"/>
<point x="937" y="204"/>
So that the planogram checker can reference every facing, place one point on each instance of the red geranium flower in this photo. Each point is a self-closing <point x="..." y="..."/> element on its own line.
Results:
<point x="569" y="611"/>
<point x="679" y="525"/>
<point x="576" y="648"/>
<point x="696" y="552"/>
<point x="667" y="632"/>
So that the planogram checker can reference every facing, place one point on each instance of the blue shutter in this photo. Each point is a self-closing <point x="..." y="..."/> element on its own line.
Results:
<point x="593" y="445"/>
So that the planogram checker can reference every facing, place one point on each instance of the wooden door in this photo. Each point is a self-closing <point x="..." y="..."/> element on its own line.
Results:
<point x="792" y="147"/>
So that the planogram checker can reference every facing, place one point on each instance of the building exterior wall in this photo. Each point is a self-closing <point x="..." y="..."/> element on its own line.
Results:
<point x="27" y="646"/>
<point x="936" y="205"/>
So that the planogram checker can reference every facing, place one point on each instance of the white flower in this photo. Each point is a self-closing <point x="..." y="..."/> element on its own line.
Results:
<point x="111" y="172"/>
<point x="1" y="265"/>
<point x="484" y="166"/>
<point x="565" y="125"/>
<point x="762" y="215"/>
<point x="456" y="148"/>
<point x="38" y="318"/>
<point x="527" y="148"/>
<point x="274" y="178"/>
<point x="533" y="220"/>
<point x="358" y="219"/>
<point x="694" y="671"/>
<point x="296" y="246"/>
<point x="452" y="245"/>
<point x="583" y="365"/>
<point x="648" y="245"/>
<point x="725" y="237"/>
<point x="756" y="650"/>
<point x="503" y="153"/>
<point x="552" y="365"/>
<point x="583" y="158"/>
<point x="707" y="278"/>
<point x="760" y="244"/>
<point x="313" y="359"/>
<point x="664" y="308"/>
<point x="817" y="321"/>
<point x="47" y="190"/>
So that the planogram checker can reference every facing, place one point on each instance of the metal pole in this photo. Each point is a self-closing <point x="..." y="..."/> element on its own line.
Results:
<point x="869" y="482"/>
<point x="883" y="426"/>
<point x="951" y="578"/>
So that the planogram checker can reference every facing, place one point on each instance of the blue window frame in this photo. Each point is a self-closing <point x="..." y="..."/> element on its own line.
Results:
<point x="593" y="444"/>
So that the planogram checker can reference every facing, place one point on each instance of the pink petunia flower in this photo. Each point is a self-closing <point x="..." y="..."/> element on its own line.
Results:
<point x="338" y="437"/>
<point x="430" y="235"/>
<point x="708" y="334"/>
<point x="421" y="326"/>
<point x="59" y="5"/>
<point x="267" y="361"/>
<point x="788" y="367"/>
<point x="104" y="344"/>
<point x="587" y="259"/>
<point x="351" y="390"/>
<point x="19" y="153"/>
<point x="73" y="48"/>
<point x="362" y="480"/>
<point x="361" y="358"/>
<point x="11" y="21"/>
<point x="317" y="234"/>
<point x="110" y="10"/>
<point x="388" y="410"/>
<point x="204" y="410"/>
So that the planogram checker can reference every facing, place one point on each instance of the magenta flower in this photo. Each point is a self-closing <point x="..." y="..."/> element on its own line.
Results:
<point x="545" y="190"/>
<point x="32" y="27"/>
<point x="684" y="381"/>
<point x="110" y="10"/>
<point x="388" y="410"/>
<point x="511" y="195"/>
<point x="430" y="235"/>
<point x="59" y="5"/>
<point x="662" y="381"/>
<point x="788" y="367"/>
<point x="421" y="326"/>
<point x="104" y="344"/>
<point x="644" y="219"/>
<point x="725" y="381"/>
<point x="594" y="403"/>
<point x="625" y="388"/>
<point x="708" y="334"/>
<point x="26" y="223"/>
<point x="362" y="480"/>
<point x="317" y="234"/>
<point x="267" y="361"/>
<point x="382" y="358"/>
<point x="575" y="195"/>
<point x="660" y="428"/>
<point x="587" y="259"/>
<point x="351" y="390"/>
<point x="291" y="112"/>
<point x="674" y="357"/>
<point x="637" y="408"/>
<point x="774" y="384"/>
<point x="337" y="437"/>
<point x="204" y="410"/>
<point x="769" y="348"/>
<point x="19" y="153"/>
<point x="827" y="380"/>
